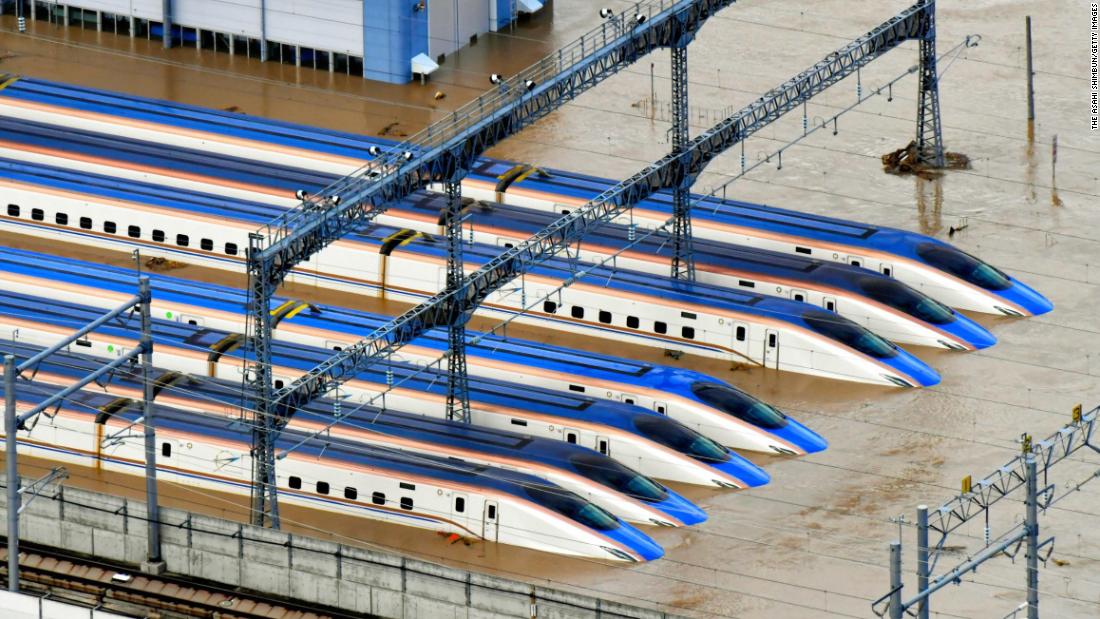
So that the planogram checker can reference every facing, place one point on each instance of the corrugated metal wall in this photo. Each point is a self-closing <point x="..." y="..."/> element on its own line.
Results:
<point x="451" y="23"/>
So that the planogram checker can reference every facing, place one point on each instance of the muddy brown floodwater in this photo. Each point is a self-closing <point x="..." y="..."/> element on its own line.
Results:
<point x="813" y="543"/>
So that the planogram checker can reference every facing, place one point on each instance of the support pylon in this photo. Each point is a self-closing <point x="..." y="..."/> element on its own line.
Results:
<point x="683" y="259"/>
<point x="929" y="130"/>
<point x="458" y="387"/>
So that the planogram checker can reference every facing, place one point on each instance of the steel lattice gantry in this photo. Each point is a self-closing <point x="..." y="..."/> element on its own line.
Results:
<point x="440" y="154"/>
<point x="666" y="173"/>
<point x="355" y="201"/>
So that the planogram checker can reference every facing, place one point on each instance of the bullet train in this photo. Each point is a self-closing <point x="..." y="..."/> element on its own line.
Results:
<point x="617" y="305"/>
<point x="591" y="475"/>
<point x="647" y="442"/>
<point x="333" y="475"/>
<point x="873" y="300"/>
<point x="701" y="402"/>
<point x="933" y="267"/>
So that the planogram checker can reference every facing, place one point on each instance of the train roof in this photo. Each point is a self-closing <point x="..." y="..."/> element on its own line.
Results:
<point x="522" y="397"/>
<point x="356" y="146"/>
<point x="662" y="287"/>
<point x="323" y="449"/>
<point x="395" y="423"/>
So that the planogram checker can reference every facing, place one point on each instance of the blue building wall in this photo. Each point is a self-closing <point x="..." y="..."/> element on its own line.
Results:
<point x="504" y="13"/>
<point x="393" y="32"/>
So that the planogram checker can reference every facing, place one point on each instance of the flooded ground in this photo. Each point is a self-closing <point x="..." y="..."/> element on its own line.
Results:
<point x="813" y="543"/>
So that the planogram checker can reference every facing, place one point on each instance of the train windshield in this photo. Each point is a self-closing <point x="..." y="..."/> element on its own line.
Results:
<point x="963" y="265"/>
<point x="738" y="404"/>
<point x="572" y="506"/>
<point x="901" y="297"/>
<point x="671" y="434"/>
<point x="843" y="330"/>
<point x="608" y="472"/>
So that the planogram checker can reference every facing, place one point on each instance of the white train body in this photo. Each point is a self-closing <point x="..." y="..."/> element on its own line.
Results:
<point x="595" y="310"/>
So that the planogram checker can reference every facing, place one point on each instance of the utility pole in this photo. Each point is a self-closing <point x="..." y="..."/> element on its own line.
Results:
<point x="458" y="390"/>
<point x="929" y="129"/>
<point x="1032" y="524"/>
<point x="12" y="468"/>
<point x="1030" y="76"/>
<point x="154" y="564"/>
<point x="922" y="559"/>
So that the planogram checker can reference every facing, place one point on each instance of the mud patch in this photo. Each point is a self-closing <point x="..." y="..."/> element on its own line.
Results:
<point x="905" y="161"/>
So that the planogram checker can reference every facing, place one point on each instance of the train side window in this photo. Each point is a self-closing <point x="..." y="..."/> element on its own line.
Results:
<point x="158" y="236"/>
<point x="109" y="227"/>
<point x="688" y="332"/>
<point x="660" y="327"/>
<point x="831" y="306"/>
<point x="13" y="210"/>
<point x="660" y="408"/>
<point x="803" y="250"/>
<point x="231" y="249"/>
<point x="166" y="450"/>
<point x="629" y="401"/>
<point x="378" y="498"/>
<point x="133" y="232"/>
<point x="605" y="317"/>
<point x="688" y="315"/>
<point x="86" y="223"/>
<point x="206" y="244"/>
<point x="744" y="283"/>
<point x="351" y="493"/>
<point x="885" y="270"/>
<point x="740" y="334"/>
<point x="38" y="214"/>
<point x="61" y="219"/>
<point x="577" y="311"/>
<point x="771" y="340"/>
<point x="577" y="388"/>
<point x="407" y="486"/>
<point x="322" y="487"/>
<point x="602" y="446"/>
<point x="279" y="384"/>
<point x="549" y="307"/>
<point x="295" y="483"/>
<point x="519" y="422"/>
<point x="492" y="515"/>
<point x="632" y="322"/>
<point x="856" y="263"/>
<point x="798" y="296"/>
<point x="460" y="504"/>
<point x="406" y="502"/>
<point x="182" y="240"/>
<point x="571" y="437"/>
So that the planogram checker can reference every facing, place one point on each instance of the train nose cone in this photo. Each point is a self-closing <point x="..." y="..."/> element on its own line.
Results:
<point x="801" y="437"/>
<point x="678" y="507"/>
<point x="1027" y="298"/>
<point x="917" y="372"/>
<point x="637" y="542"/>
<point x="970" y="332"/>
<point x="743" y="470"/>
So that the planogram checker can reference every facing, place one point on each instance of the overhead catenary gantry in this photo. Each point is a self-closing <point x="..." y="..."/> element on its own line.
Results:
<point x="442" y="154"/>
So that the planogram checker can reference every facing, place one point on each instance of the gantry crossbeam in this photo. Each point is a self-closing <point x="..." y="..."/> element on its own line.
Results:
<point x="666" y="173"/>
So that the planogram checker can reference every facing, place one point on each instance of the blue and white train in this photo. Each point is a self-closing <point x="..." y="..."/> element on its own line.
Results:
<point x="704" y="403"/>
<point x="594" y="476"/>
<point x="931" y="266"/>
<point x="876" y="301"/>
<point x="333" y="475"/>
<point x="615" y="305"/>
<point x="645" y="441"/>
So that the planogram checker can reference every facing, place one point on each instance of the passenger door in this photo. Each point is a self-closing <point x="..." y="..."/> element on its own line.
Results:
<point x="771" y="349"/>
<point x="886" y="269"/>
<point x="856" y="261"/>
<point x="829" y="303"/>
<point x="798" y="295"/>
<point x="490" y="521"/>
<point x="661" y="408"/>
<point x="627" y="398"/>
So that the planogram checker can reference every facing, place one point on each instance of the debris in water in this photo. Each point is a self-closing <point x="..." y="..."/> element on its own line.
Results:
<point x="393" y="129"/>
<point x="439" y="94"/>
<point x="163" y="264"/>
<point x="905" y="161"/>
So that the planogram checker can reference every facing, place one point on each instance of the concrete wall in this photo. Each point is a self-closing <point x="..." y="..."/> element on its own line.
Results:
<point x="19" y="606"/>
<point x="303" y="568"/>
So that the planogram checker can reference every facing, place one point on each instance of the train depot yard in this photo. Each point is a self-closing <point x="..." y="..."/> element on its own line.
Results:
<point x="794" y="316"/>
